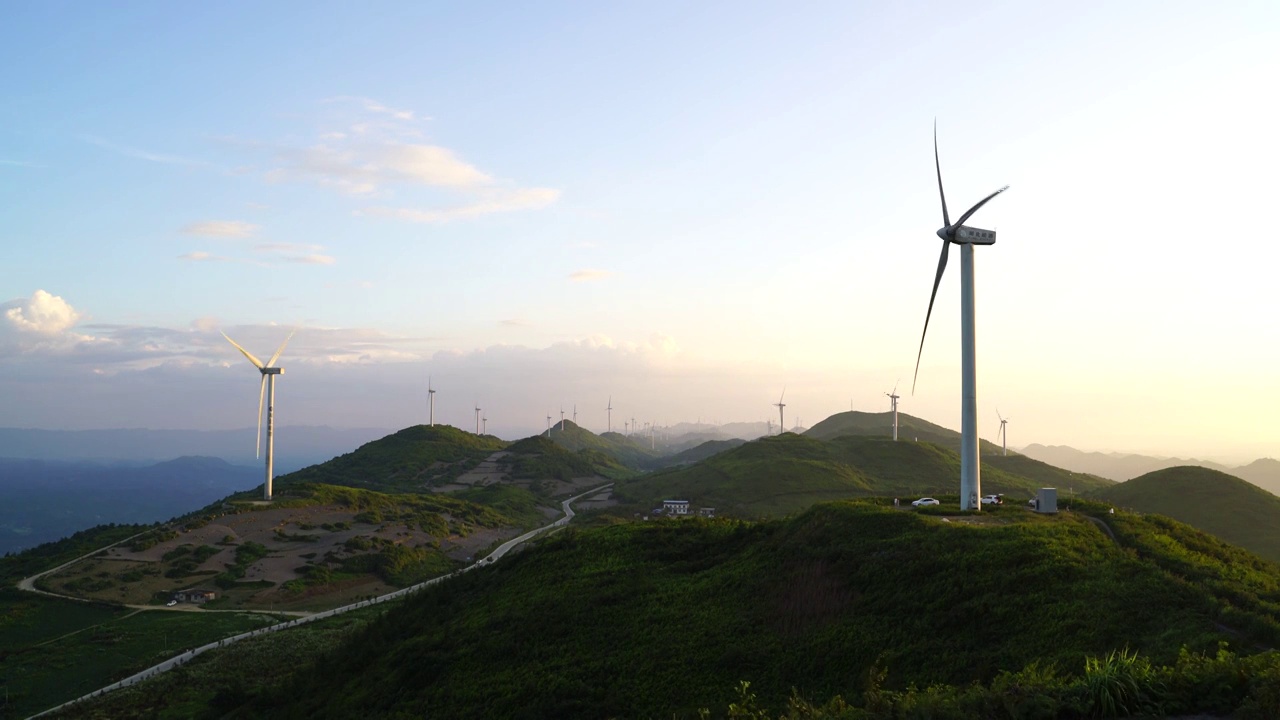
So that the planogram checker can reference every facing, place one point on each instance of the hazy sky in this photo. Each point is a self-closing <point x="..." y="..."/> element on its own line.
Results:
<point x="687" y="206"/>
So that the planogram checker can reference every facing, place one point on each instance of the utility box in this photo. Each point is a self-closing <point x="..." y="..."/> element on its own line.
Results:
<point x="1047" y="500"/>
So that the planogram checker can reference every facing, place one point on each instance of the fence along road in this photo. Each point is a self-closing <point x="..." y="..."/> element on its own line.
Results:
<point x="179" y="660"/>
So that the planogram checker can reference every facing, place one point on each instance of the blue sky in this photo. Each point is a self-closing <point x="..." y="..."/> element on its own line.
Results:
<point x="686" y="208"/>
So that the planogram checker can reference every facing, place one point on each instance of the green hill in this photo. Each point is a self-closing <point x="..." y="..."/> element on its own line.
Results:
<point x="537" y="458"/>
<point x="668" y="617"/>
<point x="404" y="461"/>
<point x="625" y="450"/>
<point x="910" y="428"/>
<point x="1044" y="474"/>
<point x="1217" y="503"/>
<point x="786" y="473"/>
<point x="701" y="451"/>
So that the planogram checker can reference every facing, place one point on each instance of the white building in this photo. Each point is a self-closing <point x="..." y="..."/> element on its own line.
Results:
<point x="675" y="507"/>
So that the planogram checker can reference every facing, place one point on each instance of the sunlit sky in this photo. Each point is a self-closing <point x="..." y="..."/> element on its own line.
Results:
<point x="685" y="207"/>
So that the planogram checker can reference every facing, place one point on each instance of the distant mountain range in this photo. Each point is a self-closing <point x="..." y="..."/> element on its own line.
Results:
<point x="42" y="501"/>
<point x="1265" y="473"/>
<point x="297" y="446"/>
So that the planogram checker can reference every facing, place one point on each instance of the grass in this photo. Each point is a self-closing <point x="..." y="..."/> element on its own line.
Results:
<point x="407" y="460"/>
<point x="687" y="609"/>
<point x="1220" y="504"/>
<point x="783" y="474"/>
<point x="221" y="679"/>
<point x="78" y="650"/>
<point x="623" y="450"/>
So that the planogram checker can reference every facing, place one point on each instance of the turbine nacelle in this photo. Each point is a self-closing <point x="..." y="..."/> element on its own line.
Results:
<point x="271" y="370"/>
<point x="965" y="235"/>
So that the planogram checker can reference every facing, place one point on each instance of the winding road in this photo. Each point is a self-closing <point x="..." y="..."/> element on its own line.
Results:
<point x="179" y="660"/>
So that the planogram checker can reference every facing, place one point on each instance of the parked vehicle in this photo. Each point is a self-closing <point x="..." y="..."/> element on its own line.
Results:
<point x="925" y="501"/>
<point x="993" y="499"/>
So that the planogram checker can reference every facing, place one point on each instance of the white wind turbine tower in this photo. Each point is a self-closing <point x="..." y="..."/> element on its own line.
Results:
<point x="431" y="403"/>
<point x="966" y="237"/>
<point x="477" y="417"/>
<point x="561" y="418"/>
<point x="1004" y="435"/>
<point x="782" y="425"/>
<point x="575" y="413"/>
<point x="548" y="426"/>
<point x="267" y="390"/>
<point x="893" y="398"/>
<point x="610" y="409"/>
<point x="484" y="426"/>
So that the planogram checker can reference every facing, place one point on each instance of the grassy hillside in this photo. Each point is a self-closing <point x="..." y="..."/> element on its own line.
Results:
<point x="688" y="609"/>
<point x="1220" y="504"/>
<point x="1044" y="474"/>
<point x="538" y="458"/>
<point x="701" y="451"/>
<point x="407" y="460"/>
<point x="881" y="425"/>
<point x="786" y="473"/>
<point x="625" y="450"/>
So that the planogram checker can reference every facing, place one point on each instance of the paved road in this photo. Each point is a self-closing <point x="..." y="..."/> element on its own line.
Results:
<point x="187" y="656"/>
<point x="29" y="584"/>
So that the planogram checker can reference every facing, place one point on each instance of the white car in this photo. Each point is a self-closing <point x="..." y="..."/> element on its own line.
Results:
<point x="924" y="501"/>
<point x="993" y="499"/>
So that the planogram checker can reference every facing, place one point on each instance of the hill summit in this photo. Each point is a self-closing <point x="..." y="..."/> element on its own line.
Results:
<point x="1220" y="504"/>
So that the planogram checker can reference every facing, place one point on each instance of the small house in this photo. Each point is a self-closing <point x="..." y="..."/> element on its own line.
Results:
<point x="707" y="512"/>
<point x="675" y="507"/>
<point x="198" y="597"/>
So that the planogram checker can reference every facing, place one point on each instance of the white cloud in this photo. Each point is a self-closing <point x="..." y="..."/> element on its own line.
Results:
<point x="43" y="313"/>
<point x="312" y="259"/>
<point x="373" y="106"/>
<point x="495" y="201"/>
<point x="380" y="155"/>
<point x="286" y="247"/>
<point x="221" y="228"/>
<point x="588" y="275"/>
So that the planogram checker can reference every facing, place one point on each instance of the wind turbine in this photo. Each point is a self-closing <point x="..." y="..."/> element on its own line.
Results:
<point x="266" y="390"/>
<point x="431" y="401"/>
<point x="610" y="409"/>
<point x="893" y="398"/>
<point x="575" y="413"/>
<point x="966" y="237"/>
<point x="477" y="417"/>
<point x="782" y="426"/>
<point x="484" y="426"/>
<point x="1004" y="435"/>
<point x="548" y="426"/>
<point x="562" y="418"/>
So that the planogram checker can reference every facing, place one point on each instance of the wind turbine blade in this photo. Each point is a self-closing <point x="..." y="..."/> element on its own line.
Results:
<point x="274" y="358"/>
<point x="981" y="202"/>
<point x="262" y="394"/>
<point x="784" y="393"/>
<point x="942" y="265"/>
<point x="946" y="220"/>
<point x="252" y="359"/>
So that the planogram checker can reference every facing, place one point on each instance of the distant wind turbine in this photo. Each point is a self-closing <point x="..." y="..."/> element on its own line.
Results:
<point x="893" y="398"/>
<point x="610" y="409"/>
<point x="266" y="389"/>
<point x="1004" y="434"/>
<point x="477" y="417"/>
<point x="484" y="426"/>
<point x="782" y="425"/>
<point x="548" y="426"/>
<point x="966" y="237"/>
<point x="575" y="413"/>
<point x="431" y="402"/>
<point x="562" y="417"/>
